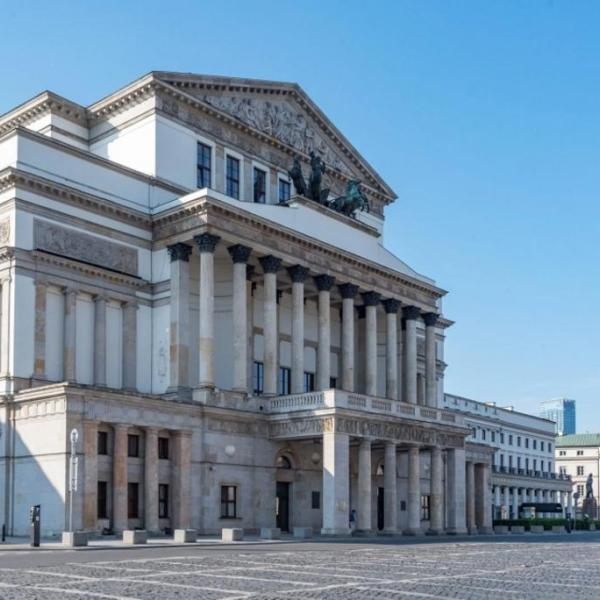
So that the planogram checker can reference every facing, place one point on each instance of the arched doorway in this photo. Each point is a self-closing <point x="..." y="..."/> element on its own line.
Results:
<point x="283" y="492"/>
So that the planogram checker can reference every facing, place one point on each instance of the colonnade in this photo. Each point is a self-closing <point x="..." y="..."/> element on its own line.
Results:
<point x="508" y="499"/>
<point x="401" y="373"/>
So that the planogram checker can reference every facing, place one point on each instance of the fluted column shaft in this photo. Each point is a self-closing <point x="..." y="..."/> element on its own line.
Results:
<point x="130" y="345"/>
<point x="324" y="284"/>
<point x="151" y="479"/>
<point x="240" y="255"/>
<point x="371" y="301"/>
<point x="436" y="506"/>
<point x="39" y="364"/>
<point x="90" y="482"/>
<point x="179" y="330"/>
<point x="69" y="349"/>
<point x="100" y="341"/>
<point x="390" y="487"/>
<point x="430" y="360"/>
<point x="364" y="486"/>
<point x="413" y="504"/>
<point x="119" y="512"/>
<point x="270" y="265"/>
<point x="411" y="313"/>
<point x="471" y="524"/>
<point x="206" y="246"/>
<point x="391" y="342"/>
<point x="298" y="275"/>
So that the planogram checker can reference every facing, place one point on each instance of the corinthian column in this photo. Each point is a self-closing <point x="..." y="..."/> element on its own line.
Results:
<point x="240" y="255"/>
<point x="130" y="345"/>
<point x="324" y="284"/>
<point x="207" y="243"/>
<point x="348" y="292"/>
<point x="180" y="316"/>
<point x="70" y="351"/>
<point x="411" y="314"/>
<point x="391" y="341"/>
<point x="298" y="275"/>
<point x="430" y="360"/>
<point x="270" y="266"/>
<point x="371" y="301"/>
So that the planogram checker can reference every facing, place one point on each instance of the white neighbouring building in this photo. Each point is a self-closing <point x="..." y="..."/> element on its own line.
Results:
<point x="231" y="353"/>
<point x="523" y="468"/>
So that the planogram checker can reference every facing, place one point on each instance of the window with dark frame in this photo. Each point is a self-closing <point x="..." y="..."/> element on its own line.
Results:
<point x="102" y="500"/>
<point x="260" y="186"/>
<point x="579" y="470"/>
<point x="228" y="502"/>
<point x="258" y="377"/>
<point x="163" y="501"/>
<point x="103" y="443"/>
<point x="316" y="500"/>
<point x="163" y="448"/>
<point x="204" y="165"/>
<point x="284" y="383"/>
<point x="425" y="508"/>
<point x="333" y="383"/>
<point x="285" y="191"/>
<point x="232" y="177"/>
<point x="132" y="500"/>
<point x="309" y="382"/>
<point x="133" y="445"/>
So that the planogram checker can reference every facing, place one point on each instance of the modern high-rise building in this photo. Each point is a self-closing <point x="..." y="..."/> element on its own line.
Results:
<point x="562" y="412"/>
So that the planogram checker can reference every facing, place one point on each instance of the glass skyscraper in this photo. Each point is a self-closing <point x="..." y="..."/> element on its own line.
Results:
<point x="562" y="412"/>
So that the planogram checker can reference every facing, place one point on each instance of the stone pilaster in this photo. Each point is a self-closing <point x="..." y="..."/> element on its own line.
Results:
<point x="181" y="474"/>
<point x="348" y="292"/>
<point x="90" y="481"/>
<point x="270" y="266"/>
<point x="130" y="309"/>
<point x="430" y="360"/>
<point x="456" y="491"/>
<point x="100" y="340"/>
<point x="70" y="333"/>
<point x="336" y="487"/>
<point x="390" y="490"/>
<point x="324" y="284"/>
<point x="207" y="244"/>
<point x="411" y="314"/>
<point x="470" y="478"/>
<point x="151" y="480"/>
<point x="5" y="335"/>
<point x="436" y="499"/>
<point x="39" y="359"/>
<point x="371" y="301"/>
<point x="413" y="504"/>
<point x="391" y="342"/>
<point x="179" y="311"/>
<point x="298" y="275"/>
<point x="240" y="255"/>
<point x="364" y="487"/>
<point x="119" y="460"/>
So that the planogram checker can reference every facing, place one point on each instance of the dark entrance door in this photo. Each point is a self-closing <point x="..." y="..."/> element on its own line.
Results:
<point x="282" y="505"/>
<point x="380" y="508"/>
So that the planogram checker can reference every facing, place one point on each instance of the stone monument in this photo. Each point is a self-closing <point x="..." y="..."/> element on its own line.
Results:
<point x="590" y="504"/>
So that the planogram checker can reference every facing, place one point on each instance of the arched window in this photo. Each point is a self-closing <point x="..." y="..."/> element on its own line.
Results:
<point x="283" y="462"/>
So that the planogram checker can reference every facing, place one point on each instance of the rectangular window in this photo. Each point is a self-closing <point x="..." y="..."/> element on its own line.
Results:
<point x="493" y="436"/>
<point x="133" y="446"/>
<point x="228" y="501"/>
<point x="474" y="432"/>
<point x="549" y="467"/>
<point x="580" y="490"/>
<point x="510" y="462"/>
<point x="483" y="434"/>
<point x="562" y="470"/>
<point x="502" y="438"/>
<point x="260" y="186"/>
<point x="535" y="464"/>
<point x="103" y="443"/>
<point x="562" y="452"/>
<point x="579" y="469"/>
<point x="518" y="462"/>
<point x="424" y="508"/>
<point x="333" y="383"/>
<point x="309" y="382"/>
<point x="132" y="500"/>
<point x="519" y="441"/>
<point x="579" y="452"/>
<point x="502" y="460"/>
<point x="542" y="446"/>
<point x="232" y="177"/>
<point x="284" y="381"/>
<point x="285" y="191"/>
<point x="526" y="442"/>
<point x="541" y="465"/>
<point x="102" y="500"/>
<point x="163" y="501"/>
<point x="163" y="448"/>
<point x="316" y="500"/>
<point x="549" y="447"/>
<point x="510" y="440"/>
<point x="527" y="464"/>
<point x="204" y="163"/>
<point x="258" y="377"/>
<point x="534" y="444"/>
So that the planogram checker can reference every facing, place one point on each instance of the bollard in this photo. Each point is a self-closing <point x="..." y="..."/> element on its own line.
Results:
<point x="3" y="532"/>
<point x="34" y="525"/>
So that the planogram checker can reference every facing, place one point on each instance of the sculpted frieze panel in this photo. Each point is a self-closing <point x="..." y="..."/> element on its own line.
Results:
<point x="224" y="426"/>
<point x="86" y="248"/>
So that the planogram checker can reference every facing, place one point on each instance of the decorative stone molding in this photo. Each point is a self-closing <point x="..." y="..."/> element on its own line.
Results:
<point x="348" y="290"/>
<point x="430" y="319"/>
<point x="206" y="242"/>
<point x="270" y="264"/>
<point x="324" y="282"/>
<point x="239" y="253"/>
<point x="298" y="273"/>
<point x="391" y="305"/>
<point x="410" y="313"/>
<point x="179" y="251"/>
<point x="4" y="231"/>
<point x="86" y="248"/>
<point x="371" y="298"/>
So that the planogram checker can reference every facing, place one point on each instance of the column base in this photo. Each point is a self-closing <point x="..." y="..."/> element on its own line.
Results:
<point x="456" y="531"/>
<point x="412" y="531"/>
<point x="388" y="531"/>
<point x="335" y="531"/>
<point x="485" y="530"/>
<point x="362" y="532"/>
<point x="472" y="530"/>
<point x="434" y="532"/>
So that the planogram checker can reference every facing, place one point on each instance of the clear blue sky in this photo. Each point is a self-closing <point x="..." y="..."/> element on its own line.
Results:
<point x="483" y="116"/>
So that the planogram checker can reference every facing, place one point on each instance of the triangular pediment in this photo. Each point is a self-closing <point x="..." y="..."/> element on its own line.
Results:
<point x="285" y="112"/>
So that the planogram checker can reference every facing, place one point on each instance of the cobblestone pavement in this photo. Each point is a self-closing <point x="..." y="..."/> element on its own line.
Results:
<point x="471" y="570"/>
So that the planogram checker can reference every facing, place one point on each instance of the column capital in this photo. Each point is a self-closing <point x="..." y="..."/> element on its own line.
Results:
<point x="130" y="304"/>
<point x="391" y="305"/>
<point x="298" y="273"/>
<point x="69" y="291"/>
<point x="324" y="282"/>
<point x="100" y="297"/>
<point x="179" y="251"/>
<point x="270" y="263"/>
<point x="430" y="319"/>
<point x="371" y="298"/>
<point x="206" y="242"/>
<point x="120" y="426"/>
<point x="348" y="290"/>
<point x="239" y="253"/>
<point x="410" y="313"/>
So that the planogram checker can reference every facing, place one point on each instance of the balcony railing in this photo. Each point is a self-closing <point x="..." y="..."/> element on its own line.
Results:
<point x="352" y="401"/>
<point x="530" y="473"/>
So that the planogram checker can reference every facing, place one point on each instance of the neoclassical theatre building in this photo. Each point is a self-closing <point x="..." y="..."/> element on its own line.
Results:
<point x="193" y="276"/>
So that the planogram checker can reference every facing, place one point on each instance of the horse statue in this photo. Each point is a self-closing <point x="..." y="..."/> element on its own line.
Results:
<point x="354" y="200"/>
<point x="297" y="178"/>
